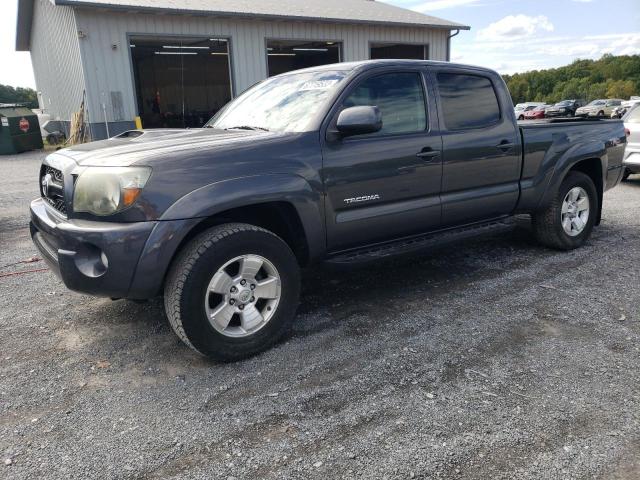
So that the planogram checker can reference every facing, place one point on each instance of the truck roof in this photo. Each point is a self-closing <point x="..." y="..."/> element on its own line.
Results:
<point x="366" y="64"/>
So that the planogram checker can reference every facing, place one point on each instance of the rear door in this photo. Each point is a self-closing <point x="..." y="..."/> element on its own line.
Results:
<point x="481" y="147"/>
<point x="386" y="184"/>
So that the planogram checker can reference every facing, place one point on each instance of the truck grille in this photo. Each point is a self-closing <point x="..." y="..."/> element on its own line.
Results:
<point x="52" y="188"/>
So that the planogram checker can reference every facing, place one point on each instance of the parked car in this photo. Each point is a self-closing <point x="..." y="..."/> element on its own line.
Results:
<point x="343" y="163"/>
<point x="565" y="108"/>
<point x="599" y="108"/>
<point x="536" y="113"/>
<point x="624" y="107"/>
<point x="521" y="108"/>
<point x="632" y="152"/>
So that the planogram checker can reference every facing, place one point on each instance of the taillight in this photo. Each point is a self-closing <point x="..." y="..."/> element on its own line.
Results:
<point x="627" y="132"/>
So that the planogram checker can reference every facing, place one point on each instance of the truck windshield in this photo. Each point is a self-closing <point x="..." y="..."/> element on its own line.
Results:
<point x="285" y="103"/>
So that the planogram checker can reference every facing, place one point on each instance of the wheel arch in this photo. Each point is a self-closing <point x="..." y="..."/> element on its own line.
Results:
<point x="593" y="168"/>
<point x="279" y="217"/>
<point x="283" y="204"/>
<point x="589" y="158"/>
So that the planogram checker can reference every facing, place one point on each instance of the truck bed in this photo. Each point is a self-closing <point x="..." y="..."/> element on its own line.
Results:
<point x="547" y="142"/>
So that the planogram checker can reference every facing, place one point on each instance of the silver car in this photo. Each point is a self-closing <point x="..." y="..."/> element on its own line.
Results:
<point x="599" y="108"/>
<point x="632" y="152"/>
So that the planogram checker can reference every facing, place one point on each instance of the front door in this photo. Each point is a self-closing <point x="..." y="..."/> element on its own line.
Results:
<point x="384" y="185"/>
<point x="482" y="148"/>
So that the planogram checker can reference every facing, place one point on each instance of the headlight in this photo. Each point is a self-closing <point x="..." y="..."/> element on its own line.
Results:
<point x="107" y="190"/>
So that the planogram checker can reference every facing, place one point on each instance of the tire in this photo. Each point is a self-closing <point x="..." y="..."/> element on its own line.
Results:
<point x="521" y="117"/>
<point x="548" y="223"/>
<point x="188" y="299"/>
<point x="600" y="114"/>
<point x="626" y="174"/>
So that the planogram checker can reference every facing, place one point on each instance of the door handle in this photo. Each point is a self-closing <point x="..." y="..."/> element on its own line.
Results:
<point x="505" y="145"/>
<point x="428" y="155"/>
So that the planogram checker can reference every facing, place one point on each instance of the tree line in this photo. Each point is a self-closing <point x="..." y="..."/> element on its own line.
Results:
<point x="609" y="77"/>
<point x="9" y="94"/>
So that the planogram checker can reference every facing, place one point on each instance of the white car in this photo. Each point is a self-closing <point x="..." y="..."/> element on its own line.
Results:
<point x="624" y="107"/>
<point x="520" y="108"/>
<point x="599" y="108"/>
<point x="632" y="151"/>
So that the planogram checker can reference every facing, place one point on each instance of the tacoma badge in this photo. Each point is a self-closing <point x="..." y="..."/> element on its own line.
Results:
<point x="364" y="198"/>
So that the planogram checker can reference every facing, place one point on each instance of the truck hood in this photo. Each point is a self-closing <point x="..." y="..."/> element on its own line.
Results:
<point x="143" y="146"/>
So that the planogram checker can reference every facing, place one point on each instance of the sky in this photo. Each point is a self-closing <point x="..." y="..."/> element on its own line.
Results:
<point x="520" y="35"/>
<point x="506" y="35"/>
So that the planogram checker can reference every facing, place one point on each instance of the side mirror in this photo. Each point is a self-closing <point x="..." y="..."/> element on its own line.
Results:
<point x="359" y="121"/>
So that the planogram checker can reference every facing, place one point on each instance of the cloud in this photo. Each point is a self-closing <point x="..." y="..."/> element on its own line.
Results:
<point x="515" y="26"/>
<point x="442" y="5"/>
<point x="544" y="51"/>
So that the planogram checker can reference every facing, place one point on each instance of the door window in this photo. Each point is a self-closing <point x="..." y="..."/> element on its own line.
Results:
<point x="468" y="101"/>
<point x="400" y="98"/>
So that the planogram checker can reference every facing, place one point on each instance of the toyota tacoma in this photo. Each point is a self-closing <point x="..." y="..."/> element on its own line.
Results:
<point x="341" y="163"/>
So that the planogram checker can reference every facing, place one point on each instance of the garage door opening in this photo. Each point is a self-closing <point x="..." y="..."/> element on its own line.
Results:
<point x="286" y="55"/>
<point x="399" y="50"/>
<point x="180" y="82"/>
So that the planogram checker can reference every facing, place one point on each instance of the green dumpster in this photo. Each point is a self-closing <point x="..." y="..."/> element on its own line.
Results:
<point x="19" y="129"/>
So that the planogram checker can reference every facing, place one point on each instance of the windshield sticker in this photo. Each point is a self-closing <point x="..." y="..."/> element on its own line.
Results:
<point x="318" y="85"/>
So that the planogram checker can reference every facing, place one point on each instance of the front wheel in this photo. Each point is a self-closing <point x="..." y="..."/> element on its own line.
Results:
<point x="233" y="291"/>
<point x="567" y="223"/>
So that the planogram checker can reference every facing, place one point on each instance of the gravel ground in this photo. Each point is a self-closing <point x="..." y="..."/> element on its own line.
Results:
<point x="493" y="359"/>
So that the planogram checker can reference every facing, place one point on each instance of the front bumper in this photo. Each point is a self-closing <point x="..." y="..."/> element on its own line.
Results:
<point x="98" y="258"/>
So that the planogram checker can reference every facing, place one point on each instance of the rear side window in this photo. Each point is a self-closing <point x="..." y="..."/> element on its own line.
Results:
<point x="400" y="98"/>
<point x="468" y="101"/>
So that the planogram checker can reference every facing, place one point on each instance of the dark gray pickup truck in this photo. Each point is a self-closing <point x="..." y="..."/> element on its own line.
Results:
<point x="342" y="163"/>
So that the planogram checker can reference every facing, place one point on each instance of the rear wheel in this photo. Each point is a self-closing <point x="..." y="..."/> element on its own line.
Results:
<point x="233" y="291"/>
<point x="600" y="114"/>
<point x="626" y="174"/>
<point x="567" y="223"/>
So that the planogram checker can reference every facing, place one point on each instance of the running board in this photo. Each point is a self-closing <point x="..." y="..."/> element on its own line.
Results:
<point x="421" y="242"/>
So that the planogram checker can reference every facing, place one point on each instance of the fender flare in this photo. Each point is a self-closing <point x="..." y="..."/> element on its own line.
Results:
<point x="186" y="213"/>
<point x="573" y="156"/>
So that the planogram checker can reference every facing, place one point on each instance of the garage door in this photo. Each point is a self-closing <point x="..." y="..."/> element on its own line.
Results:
<point x="286" y="55"/>
<point x="399" y="50"/>
<point x="180" y="82"/>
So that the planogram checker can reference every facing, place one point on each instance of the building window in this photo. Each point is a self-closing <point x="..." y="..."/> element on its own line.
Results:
<point x="180" y="82"/>
<point x="399" y="50"/>
<point x="286" y="55"/>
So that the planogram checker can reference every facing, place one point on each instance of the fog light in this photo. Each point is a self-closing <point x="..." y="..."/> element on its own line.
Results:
<point x="90" y="260"/>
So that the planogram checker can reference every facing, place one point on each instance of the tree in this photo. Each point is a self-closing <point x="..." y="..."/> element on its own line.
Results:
<point x="609" y="77"/>
<point x="620" y="88"/>
<point x="8" y="94"/>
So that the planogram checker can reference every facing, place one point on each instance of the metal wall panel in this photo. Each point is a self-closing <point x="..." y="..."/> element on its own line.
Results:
<point x="107" y="64"/>
<point x="55" y="55"/>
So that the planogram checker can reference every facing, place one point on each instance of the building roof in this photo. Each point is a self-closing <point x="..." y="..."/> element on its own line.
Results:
<point x="331" y="11"/>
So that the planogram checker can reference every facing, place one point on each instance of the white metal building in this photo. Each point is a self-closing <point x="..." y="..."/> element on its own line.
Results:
<point x="175" y="63"/>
